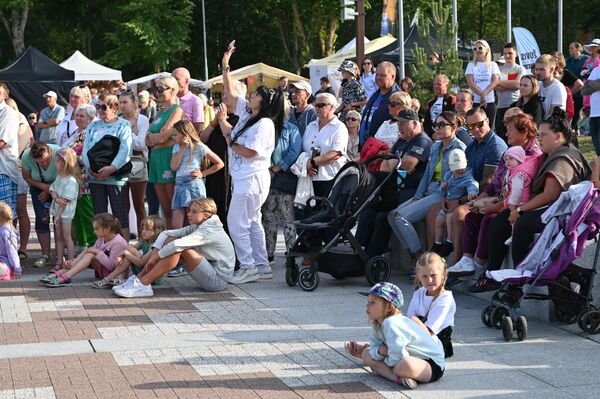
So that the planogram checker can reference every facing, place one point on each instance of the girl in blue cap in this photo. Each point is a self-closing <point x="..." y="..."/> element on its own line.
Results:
<point x="399" y="349"/>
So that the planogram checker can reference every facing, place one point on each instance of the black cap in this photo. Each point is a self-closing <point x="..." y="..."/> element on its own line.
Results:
<point x="407" y="115"/>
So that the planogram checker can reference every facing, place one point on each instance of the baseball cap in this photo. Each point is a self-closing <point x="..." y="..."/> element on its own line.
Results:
<point x="50" y="94"/>
<point x="407" y="115"/>
<point x="389" y="292"/>
<point x="302" y="85"/>
<point x="457" y="159"/>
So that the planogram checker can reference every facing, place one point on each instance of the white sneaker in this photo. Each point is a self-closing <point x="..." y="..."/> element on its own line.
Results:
<point x="265" y="272"/>
<point x="464" y="267"/>
<point x="124" y="284"/>
<point x="135" y="290"/>
<point x="244" y="275"/>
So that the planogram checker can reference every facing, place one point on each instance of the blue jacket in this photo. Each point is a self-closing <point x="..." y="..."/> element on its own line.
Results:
<point x="288" y="147"/>
<point x="368" y="127"/>
<point x="460" y="185"/>
<point x="434" y="157"/>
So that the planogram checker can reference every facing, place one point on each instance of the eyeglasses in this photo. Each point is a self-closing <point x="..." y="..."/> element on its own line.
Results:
<point x="321" y="105"/>
<point x="366" y="63"/>
<point x="441" y="125"/>
<point x="352" y="119"/>
<point x="480" y="48"/>
<point x="394" y="104"/>
<point x="161" y="89"/>
<point x="477" y="125"/>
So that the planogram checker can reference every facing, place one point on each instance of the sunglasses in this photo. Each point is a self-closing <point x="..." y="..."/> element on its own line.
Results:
<point x="352" y="119"/>
<point x="102" y="107"/>
<point x="441" y="125"/>
<point x="478" y="125"/>
<point x="321" y="105"/>
<point x="394" y="104"/>
<point x="161" y="89"/>
<point x="480" y="48"/>
<point x="366" y="63"/>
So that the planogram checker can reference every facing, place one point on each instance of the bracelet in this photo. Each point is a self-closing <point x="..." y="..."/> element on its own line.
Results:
<point x="226" y="69"/>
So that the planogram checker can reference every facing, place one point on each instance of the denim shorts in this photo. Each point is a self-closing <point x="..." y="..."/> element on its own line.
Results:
<point x="186" y="189"/>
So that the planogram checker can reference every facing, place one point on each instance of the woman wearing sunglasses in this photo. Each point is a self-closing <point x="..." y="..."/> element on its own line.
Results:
<point x="388" y="131"/>
<point x="251" y="144"/>
<point x="482" y="76"/>
<point x="367" y="77"/>
<point x="160" y="140"/>
<point x="353" y="126"/>
<point x="103" y="185"/>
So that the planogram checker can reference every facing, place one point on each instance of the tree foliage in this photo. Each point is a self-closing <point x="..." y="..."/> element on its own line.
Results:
<point x="14" y="15"/>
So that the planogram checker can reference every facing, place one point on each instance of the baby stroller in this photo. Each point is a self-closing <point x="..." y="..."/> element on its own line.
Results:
<point x="331" y="220"/>
<point x="570" y="222"/>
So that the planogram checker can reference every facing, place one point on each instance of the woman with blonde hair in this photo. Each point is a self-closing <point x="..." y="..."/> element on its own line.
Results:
<point x="160" y="139"/>
<point x="482" y="76"/>
<point x="529" y="100"/>
<point x="388" y="131"/>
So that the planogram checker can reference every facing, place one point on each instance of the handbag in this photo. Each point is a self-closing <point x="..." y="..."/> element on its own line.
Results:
<point x="138" y="163"/>
<point x="285" y="182"/>
<point x="104" y="152"/>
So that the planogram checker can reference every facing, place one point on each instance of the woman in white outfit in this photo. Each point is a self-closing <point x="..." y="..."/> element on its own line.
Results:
<point x="251" y="143"/>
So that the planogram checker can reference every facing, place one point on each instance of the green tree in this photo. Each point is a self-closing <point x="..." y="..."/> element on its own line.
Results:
<point x="149" y="33"/>
<point x="14" y="15"/>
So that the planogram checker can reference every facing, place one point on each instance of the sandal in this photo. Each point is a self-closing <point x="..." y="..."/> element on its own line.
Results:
<point x="59" y="280"/>
<point x="22" y="254"/>
<point x="103" y="283"/>
<point x="47" y="277"/>
<point x="42" y="261"/>
<point x="352" y="352"/>
<point x="407" y="382"/>
<point x="115" y="281"/>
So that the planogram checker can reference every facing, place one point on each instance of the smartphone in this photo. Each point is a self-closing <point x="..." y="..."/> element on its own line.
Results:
<point x="231" y="45"/>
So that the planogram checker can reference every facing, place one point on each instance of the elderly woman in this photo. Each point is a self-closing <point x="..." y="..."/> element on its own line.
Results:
<point x="482" y="76"/>
<point x="388" y="131"/>
<point x="83" y="231"/>
<point x="67" y="126"/>
<point x="39" y="171"/>
<point x="529" y="101"/>
<point x="104" y="185"/>
<point x="251" y="143"/>
<point x="353" y="125"/>
<point x="562" y="166"/>
<point x="160" y="139"/>
<point x="428" y="192"/>
<point x="352" y="92"/>
<point x="139" y="158"/>
<point x="521" y="130"/>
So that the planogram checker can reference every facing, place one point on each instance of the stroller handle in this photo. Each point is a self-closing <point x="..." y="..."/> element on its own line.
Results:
<point x="386" y="156"/>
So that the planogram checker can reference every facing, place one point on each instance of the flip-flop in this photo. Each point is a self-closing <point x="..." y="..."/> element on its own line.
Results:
<point x="59" y="280"/>
<point x="349" y="352"/>
<point x="22" y="254"/>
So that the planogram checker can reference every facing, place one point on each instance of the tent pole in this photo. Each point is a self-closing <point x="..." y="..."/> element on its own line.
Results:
<point x="560" y="26"/>
<point x="401" y="37"/>
<point x="204" y="37"/>
<point x="455" y="24"/>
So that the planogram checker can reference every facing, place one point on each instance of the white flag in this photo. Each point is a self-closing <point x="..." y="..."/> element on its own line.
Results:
<point x="527" y="48"/>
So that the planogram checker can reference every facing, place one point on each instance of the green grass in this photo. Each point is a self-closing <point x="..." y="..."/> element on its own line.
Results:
<point x="586" y="147"/>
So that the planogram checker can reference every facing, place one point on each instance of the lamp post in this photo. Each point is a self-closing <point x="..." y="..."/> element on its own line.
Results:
<point x="401" y="37"/>
<point x="204" y="37"/>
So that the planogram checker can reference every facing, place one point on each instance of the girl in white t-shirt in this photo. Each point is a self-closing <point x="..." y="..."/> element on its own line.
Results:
<point x="482" y="76"/>
<point x="432" y="306"/>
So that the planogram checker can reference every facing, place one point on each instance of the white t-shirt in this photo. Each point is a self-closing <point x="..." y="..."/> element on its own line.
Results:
<point x="440" y="313"/>
<point x="66" y="129"/>
<point x="595" y="97"/>
<point x="260" y="137"/>
<point x="555" y="94"/>
<point x="436" y="108"/>
<point x="482" y="76"/>
<point x="388" y="133"/>
<point x="332" y="137"/>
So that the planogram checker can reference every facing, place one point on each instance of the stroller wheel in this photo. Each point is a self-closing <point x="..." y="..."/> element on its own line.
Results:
<point x="521" y="328"/>
<point x="507" y="328"/>
<point x="377" y="269"/>
<point x="564" y="316"/>
<point x="291" y="274"/>
<point x="497" y="315"/>
<point x="308" y="280"/>
<point x="486" y="316"/>
<point x="591" y="322"/>
<point x="582" y="314"/>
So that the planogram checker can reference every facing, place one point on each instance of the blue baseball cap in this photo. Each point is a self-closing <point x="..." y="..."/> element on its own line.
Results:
<point x="389" y="292"/>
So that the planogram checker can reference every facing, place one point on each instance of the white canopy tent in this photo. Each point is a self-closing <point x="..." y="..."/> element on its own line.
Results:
<point x="149" y="78"/>
<point x="86" y="69"/>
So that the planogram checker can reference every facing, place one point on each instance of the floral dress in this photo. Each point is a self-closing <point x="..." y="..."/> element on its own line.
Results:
<point x="84" y="213"/>
<point x="352" y="91"/>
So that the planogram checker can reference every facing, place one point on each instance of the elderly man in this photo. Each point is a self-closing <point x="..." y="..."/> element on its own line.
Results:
<point x="9" y="152"/>
<point x="192" y="105"/>
<point x="412" y="148"/>
<point x="50" y="117"/>
<point x="302" y="112"/>
<point x="443" y="101"/>
<point x="376" y="110"/>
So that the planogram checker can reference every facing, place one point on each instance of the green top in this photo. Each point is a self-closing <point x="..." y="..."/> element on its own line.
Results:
<point x="437" y="174"/>
<point x="27" y="162"/>
<point x="145" y="246"/>
<point x="161" y="118"/>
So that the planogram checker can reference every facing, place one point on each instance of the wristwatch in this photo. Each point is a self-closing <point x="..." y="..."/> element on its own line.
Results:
<point x="520" y="211"/>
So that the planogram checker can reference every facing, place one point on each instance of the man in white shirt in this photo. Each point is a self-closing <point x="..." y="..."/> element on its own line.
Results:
<point x="507" y="88"/>
<point x="552" y="92"/>
<point x="592" y="87"/>
<point x="9" y="152"/>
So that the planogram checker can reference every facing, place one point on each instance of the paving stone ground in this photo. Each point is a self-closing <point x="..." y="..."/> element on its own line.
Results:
<point x="258" y="340"/>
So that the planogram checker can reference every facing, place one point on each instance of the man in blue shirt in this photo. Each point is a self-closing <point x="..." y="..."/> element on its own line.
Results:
<point x="376" y="110"/>
<point x="50" y="117"/>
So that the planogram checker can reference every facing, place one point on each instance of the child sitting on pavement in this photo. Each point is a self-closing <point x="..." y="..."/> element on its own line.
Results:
<point x="457" y="183"/>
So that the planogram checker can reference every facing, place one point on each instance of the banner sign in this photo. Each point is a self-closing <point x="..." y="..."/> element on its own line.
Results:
<point x="527" y="47"/>
<point x="388" y="18"/>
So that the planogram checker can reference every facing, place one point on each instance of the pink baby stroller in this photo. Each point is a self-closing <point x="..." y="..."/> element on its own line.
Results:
<point x="570" y="222"/>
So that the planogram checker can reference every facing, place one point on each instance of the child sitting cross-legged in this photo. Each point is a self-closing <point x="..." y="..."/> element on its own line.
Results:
<point x="457" y="183"/>
<point x="136" y="255"/>
<point x="101" y="257"/>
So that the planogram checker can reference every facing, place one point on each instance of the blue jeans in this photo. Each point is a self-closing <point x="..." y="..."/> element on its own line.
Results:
<point x="595" y="133"/>
<point x="41" y="210"/>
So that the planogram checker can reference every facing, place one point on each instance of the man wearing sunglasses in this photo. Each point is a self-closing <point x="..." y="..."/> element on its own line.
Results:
<point x="443" y="101"/>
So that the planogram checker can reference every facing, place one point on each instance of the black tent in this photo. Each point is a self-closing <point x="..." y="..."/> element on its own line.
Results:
<point x="34" y="74"/>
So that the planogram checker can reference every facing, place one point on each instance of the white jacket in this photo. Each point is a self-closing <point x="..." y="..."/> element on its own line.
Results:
<point x="304" y="188"/>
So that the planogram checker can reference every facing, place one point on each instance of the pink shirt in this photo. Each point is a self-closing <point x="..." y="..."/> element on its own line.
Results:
<point x="109" y="251"/>
<point x="192" y="107"/>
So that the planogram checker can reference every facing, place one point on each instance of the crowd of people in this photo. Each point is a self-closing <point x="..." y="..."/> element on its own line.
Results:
<point x="208" y="185"/>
